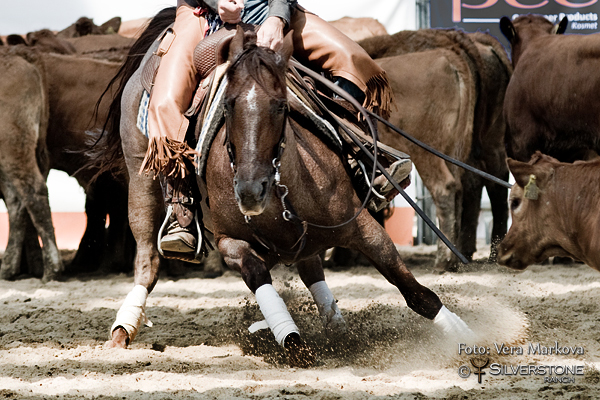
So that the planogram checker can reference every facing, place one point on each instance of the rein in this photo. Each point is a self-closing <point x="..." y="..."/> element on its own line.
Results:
<point x="373" y="156"/>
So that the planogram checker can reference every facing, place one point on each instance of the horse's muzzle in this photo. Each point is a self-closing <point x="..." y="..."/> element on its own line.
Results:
<point x="252" y="195"/>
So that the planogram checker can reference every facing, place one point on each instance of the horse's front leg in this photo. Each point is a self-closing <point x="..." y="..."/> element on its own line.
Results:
<point x="311" y="273"/>
<point x="375" y="244"/>
<point x="240" y="256"/>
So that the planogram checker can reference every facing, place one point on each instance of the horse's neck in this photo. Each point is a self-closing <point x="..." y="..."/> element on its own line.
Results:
<point x="306" y="154"/>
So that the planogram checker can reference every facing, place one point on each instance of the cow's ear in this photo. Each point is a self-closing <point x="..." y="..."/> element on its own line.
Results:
<point x="561" y="27"/>
<point x="520" y="170"/>
<point x="507" y="28"/>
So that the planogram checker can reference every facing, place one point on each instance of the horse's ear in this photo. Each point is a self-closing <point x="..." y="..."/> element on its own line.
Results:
<point x="287" y="48"/>
<point x="237" y="43"/>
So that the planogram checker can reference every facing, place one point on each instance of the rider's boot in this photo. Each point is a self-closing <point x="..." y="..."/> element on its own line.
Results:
<point x="181" y="237"/>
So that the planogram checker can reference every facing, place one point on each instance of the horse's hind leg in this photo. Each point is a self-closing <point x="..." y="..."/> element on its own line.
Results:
<point x="145" y="211"/>
<point x="379" y="248"/>
<point x="240" y="256"/>
<point x="311" y="273"/>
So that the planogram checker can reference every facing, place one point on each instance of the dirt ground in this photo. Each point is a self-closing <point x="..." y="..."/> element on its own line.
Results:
<point x="52" y="336"/>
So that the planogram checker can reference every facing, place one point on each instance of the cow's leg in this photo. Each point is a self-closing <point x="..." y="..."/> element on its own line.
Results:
<point x="311" y="273"/>
<point x="240" y="256"/>
<point x="32" y="259"/>
<point x="146" y="209"/>
<point x="16" y="234"/>
<point x="499" y="202"/>
<point x="38" y="207"/>
<point x="443" y="188"/>
<point x="375" y="244"/>
<point x="32" y="193"/>
<point x="471" y="207"/>
<point x="91" y="248"/>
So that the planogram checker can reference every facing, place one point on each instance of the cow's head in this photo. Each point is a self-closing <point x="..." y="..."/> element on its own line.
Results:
<point x="530" y="239"/>
<point x="526" y="27"/>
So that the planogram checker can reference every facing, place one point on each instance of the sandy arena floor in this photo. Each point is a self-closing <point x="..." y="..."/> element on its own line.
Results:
<point x="52" y="336"/>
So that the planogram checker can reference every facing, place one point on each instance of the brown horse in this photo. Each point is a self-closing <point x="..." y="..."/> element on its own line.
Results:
<point x="277" y="194"/>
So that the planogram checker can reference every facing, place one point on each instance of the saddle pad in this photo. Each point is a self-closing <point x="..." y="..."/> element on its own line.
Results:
<point x="142" y="117"/>
<point x="211" y="124"/>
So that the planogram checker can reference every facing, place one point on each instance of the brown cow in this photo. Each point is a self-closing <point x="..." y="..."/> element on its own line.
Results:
<point x="555" y="211"/>
<point x="487" y="150"/>
<point x="47" y="41"/>
<point x="24" y="158"/>
<point x="359" y="28"/>
<point x="86" y="26"/>
<point x="14" y="39"/>
<point x="490" y="70"/>
<point x="73" y="85"/>
<point x="44" y="40"/>
<point x="72" y="128"/>
<point x="103" y="47"/>
<point x="435" y="93"/>
<point x="552" y="103"/>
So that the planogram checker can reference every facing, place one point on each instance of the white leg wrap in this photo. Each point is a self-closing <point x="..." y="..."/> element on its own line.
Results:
<point x="332" y="318"/>
<point x="132" y="312"/>
<point x="452" y="324"/>
<point x="275" y="312"/>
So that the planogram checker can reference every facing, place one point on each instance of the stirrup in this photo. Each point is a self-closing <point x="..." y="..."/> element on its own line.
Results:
<point x="192" y="257"/>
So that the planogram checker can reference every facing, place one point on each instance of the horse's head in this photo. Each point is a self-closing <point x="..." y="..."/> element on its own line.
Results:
<point x="256" y="111"/>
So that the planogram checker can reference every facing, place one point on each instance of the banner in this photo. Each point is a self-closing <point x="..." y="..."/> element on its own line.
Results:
<point x="483" y="15"/>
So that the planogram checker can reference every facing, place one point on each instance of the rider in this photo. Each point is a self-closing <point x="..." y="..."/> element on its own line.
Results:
<point x="317" y="44"/>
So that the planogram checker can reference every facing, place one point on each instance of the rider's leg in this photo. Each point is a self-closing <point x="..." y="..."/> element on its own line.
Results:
<point x="168" y="154"/>
<point x="181" y="235"/>
<point x="321" y="46"/>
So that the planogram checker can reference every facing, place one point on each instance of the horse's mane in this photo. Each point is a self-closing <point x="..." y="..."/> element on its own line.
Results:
<point x="253" y="59"/>
<point x="113" y="152"/>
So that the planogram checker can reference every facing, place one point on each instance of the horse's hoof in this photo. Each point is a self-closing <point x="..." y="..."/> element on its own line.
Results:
<point x="336" y="326"/>
<point x="299" y="354"/>
<point x="119" y="340"/>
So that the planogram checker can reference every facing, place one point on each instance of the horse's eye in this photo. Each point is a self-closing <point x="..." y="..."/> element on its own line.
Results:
<point x="280" y="107"/>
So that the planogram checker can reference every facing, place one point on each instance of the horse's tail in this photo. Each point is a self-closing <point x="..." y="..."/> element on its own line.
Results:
<point x="112" y="153"/>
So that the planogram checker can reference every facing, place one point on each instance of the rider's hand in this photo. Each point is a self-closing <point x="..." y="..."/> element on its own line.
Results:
<point x="230" y="11"/>
<point x="270" y="33"/>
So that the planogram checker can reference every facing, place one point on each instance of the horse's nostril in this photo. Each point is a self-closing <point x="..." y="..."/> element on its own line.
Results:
<point x="263" y="192"/>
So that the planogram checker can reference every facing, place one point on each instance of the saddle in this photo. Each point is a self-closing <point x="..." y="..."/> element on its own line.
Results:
<point x="208" y="54"/>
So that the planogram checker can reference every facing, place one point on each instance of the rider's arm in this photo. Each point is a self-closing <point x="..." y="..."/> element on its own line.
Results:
<point x="270" y="33"/>
<point x="230" y="11"/>
<point x="282" y="9"/>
